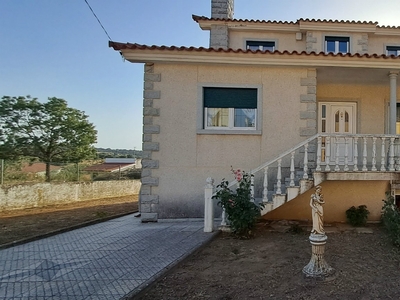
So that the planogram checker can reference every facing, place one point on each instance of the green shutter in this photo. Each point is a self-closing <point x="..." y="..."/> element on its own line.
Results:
<point x="230" y="97"/>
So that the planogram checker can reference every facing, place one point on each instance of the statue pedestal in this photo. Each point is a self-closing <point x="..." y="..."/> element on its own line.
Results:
<point x="317" y="267"/>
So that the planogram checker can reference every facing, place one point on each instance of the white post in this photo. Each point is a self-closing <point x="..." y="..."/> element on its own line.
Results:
<point x="346" y="154"/>
<point x="292" y="169"/>
<point x="318" y="168"/>
<point x="391" y="154"/>
<point x="364" y="168"/>
<point x="337" y="169"/>
<point x="374" y="154"/>
<point x="383" y="155"/>
<point x="208" y="205"/>
<point x="305" y="167"/>
<point x="328" y="154"/>
<point x="251" y="188"/>
<point x="393" y="101"/>
<point x="265" y="191"/>
<point x="355" y="167"/>
<point x="279" y="177"/>
<point x="223" y="218"/>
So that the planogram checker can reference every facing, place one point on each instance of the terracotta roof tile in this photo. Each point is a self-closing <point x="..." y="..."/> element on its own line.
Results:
<point x="122" y="46"/>
<point x="203" y="18"/>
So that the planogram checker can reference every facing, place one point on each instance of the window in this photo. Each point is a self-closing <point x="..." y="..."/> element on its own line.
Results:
<point x="393" y="50"/>
<point x="337" y="44"/>
<point x="230" y="108"/>
<point x="260" y="45"/>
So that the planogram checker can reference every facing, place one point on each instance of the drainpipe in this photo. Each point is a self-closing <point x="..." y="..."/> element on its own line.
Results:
<point x="393" y="101"/>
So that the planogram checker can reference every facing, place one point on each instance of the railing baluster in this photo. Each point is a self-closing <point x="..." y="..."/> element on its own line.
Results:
<point x="279" y="177"/>
<point x="305" y="167"/>
<point x="292" y="169"/>
<point x="252" y="188"/>
<point x="383" y="155"/>
<point x="223" y="217"/>
<point x="265" y="191"/>
<point x="328" y="154"/>
<point x="373" y="168"/>
<point x="318" y="168"/>
<point x="346" y="154"/>
<point x="391" y="155"/>
<point x="355" y="166"/>
<point x="364" y="168"/>
<point x="337" y="169"/>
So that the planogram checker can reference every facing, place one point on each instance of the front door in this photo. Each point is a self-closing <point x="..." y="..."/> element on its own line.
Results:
<point x="337" y="118"/>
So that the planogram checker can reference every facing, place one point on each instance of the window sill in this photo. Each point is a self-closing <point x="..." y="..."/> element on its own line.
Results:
<point x="228" y="131"/>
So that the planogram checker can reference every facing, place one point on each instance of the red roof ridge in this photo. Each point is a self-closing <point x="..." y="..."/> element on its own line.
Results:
<point x="121" y="46"/>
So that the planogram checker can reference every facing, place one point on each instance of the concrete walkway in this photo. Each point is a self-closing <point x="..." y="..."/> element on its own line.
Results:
<point x="110" y="260"/>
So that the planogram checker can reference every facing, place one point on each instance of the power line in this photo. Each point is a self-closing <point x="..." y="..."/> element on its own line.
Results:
<point x="98" y="20"/>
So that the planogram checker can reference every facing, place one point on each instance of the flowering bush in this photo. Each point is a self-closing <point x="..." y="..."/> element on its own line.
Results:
<point x="242" y="212"/>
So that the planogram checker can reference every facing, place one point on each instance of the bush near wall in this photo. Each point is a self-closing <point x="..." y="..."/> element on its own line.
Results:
<point x="391" y="219"/>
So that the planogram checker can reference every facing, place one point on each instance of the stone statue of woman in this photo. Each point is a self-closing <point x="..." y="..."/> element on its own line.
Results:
<point x="317" y="199"/>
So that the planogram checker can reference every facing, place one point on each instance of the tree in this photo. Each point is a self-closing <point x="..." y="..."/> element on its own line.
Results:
<point x="50" y="131"/>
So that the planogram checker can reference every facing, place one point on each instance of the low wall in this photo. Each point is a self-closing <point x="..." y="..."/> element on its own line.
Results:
<point x="44" y="194"/>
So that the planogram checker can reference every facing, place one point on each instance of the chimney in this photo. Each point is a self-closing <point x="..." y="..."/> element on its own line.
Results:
<point x="219" y="34"/>
<point x="222" y="9"/>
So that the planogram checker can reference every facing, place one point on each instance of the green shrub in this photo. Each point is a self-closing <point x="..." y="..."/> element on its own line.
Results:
<point x="391" y="219"/>
<point x="242" y="212"/>
<point x="357" y="216"/>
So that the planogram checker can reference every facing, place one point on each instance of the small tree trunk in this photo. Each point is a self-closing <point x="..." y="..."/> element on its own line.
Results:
<point x="47" y="171"/>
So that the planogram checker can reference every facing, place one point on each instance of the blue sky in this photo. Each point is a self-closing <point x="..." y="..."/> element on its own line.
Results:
<point x="56" y="48"/>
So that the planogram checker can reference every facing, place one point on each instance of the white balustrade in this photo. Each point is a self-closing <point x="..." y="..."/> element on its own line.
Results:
<point x="391" y="155"/>
<point x="355" y="157"/>
<point x="252" y="188"/>
<point x="346" y="154"/>
<point x="383" y="155"/>
<point x="337" y="169"/>
<point x="373" y="168"/>
<point x="328" y="153"/>
<point x="292" y="169"/>
<point x="279" y="178"/>
<point x="305" y="167"/>
<point x="319" y="147"/>
<point x="365" y="153"/>
<point x="265" y="190"/>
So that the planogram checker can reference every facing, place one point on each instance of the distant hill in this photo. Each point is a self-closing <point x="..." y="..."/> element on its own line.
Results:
<point x="128" y="153"/>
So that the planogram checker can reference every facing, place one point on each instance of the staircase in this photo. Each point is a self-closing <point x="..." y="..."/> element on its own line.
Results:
<point x="325" y="157"/>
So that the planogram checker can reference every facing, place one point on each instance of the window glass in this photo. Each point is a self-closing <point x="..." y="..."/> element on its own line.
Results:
<point x="260" y="45"/>
<point x="337" y="44"/>
<point x="393" y="50"/>
<point x="337" y="121"/>
<point x="245" y="117"/>
<point x="218" y="117"/>
<point x="346" y="122"/>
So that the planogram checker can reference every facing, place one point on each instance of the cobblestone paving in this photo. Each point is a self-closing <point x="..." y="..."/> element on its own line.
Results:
<point x="108" y="260"/>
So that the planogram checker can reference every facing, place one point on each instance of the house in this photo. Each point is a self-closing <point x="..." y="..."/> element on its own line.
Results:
<point x="298" y="103"/>
<point x="113" y="165"/>
<point x="39" y="169"/>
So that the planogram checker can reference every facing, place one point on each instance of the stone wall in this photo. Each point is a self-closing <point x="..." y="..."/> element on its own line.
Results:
<point x="45" y="194"/>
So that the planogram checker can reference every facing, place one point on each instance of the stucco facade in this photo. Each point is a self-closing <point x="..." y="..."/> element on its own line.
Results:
<point x="315" y="81"/>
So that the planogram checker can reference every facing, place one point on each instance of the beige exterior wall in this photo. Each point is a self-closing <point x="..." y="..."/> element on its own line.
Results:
<point x="187" y="158"/>
<point x="339" y="196"/>
<point x="283" y="41"/>
<point x="377" y="44"/>
<point x="47" y="194"/>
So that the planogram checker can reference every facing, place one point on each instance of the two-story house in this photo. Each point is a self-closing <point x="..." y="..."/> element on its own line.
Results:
<point x="296" y="103"/>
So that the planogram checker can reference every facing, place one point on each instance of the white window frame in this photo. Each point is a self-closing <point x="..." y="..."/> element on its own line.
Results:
<point x="201" y="112"/>
<point x="260" y="41"/>
<point x="395" y="46"/>
<point x="231" y="121"/>
<point x="336" y="44"/>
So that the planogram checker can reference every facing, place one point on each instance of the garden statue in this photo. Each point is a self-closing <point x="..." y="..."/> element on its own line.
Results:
<point x="316" y="202"/>
<point x="318" y="267"/>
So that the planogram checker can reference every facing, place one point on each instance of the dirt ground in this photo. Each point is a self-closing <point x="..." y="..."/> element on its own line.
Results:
<point x="270" y="265"/>
<point x="22" y="224"/>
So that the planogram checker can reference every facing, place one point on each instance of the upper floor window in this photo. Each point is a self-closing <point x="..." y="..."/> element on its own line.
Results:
<point x="230" y="108"/>
<point x="337" y="44"/>
<point x="260" y="45"/>
<point x="393" y="50"/>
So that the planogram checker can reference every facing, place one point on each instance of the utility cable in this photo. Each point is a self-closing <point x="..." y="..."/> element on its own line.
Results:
<point x="98" y="19"/>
